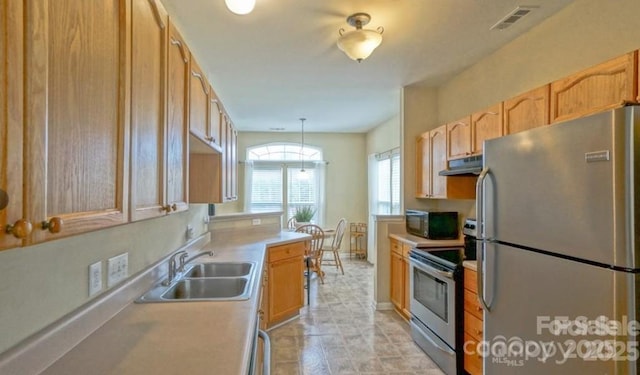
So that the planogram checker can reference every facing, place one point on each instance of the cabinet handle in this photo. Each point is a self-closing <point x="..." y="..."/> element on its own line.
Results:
<point x="20" y="229"/>
<point x="209" y="139"/>
<point x="174" y="207"/>
<point x="166" y="208"/>
<point x="478" y="332"/>
<point x="478" y="308"/>
<point x="54" y="225"/>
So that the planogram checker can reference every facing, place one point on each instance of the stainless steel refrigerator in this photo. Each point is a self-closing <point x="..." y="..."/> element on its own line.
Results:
<point x="558" y="247"/>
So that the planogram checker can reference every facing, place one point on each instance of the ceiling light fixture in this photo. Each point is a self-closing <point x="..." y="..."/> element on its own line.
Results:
<point x="240" y="7"/>
<point x="302" y="119"/>
<point x="358" y="44"/>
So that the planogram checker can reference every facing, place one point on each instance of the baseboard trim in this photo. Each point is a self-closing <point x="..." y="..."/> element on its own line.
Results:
<point x="382" y="306"/>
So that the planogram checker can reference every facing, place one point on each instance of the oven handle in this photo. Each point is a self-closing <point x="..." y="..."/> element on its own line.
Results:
<point x="480" y="240"/>
<point x="446" y="350"/>
<point x="431" y="271"/>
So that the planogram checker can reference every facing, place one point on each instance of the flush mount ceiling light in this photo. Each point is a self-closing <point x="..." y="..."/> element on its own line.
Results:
<point x="240" y="7"/>
<point x="358" y="44"/>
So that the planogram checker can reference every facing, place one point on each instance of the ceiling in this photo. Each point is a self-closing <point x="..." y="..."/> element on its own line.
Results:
<point x="281" y="62"/>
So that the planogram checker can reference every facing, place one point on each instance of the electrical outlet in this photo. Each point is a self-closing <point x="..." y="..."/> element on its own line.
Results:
<point x="117" y="269"/>
<point x="190" y="233"/>
<point x="255" y="221"/>
<point x="95" y="278"/>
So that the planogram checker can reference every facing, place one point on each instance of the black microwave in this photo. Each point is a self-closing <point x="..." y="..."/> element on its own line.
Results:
<point x="432" y="225"/>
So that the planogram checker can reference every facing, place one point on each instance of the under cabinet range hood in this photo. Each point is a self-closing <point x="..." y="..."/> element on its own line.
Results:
<point x="470" y="165"/>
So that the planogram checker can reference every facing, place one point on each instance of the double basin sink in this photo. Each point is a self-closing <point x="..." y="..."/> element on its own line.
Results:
<point x="217" y="281"/>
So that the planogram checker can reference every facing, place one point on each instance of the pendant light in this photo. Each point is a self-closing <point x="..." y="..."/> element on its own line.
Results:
<point x="240" y="7"/>
<point x="302" y="119"/>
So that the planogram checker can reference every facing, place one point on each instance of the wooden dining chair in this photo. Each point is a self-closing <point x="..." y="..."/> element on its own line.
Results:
<point x="334" y="249"/>
<point x="313" y="252"/>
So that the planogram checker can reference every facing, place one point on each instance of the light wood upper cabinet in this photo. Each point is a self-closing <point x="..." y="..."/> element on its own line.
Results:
<point x="604" y="86"/>
<point x="11" y="123"/>
<point x="459" y="137"/>
<point x="423" y="166"/>
<point x="526" y="111"/>
<point x="438" y="145"/>
<point x="198" y="102"/>
<point x="77" y="80"/>
<point x="431" y="158"/>
<point x="485" y="125"/>
<point x="177" y="138"/>
<point x="229" y="160"/>
<point x="148" y="104"/>
<point x="214" y="130"/>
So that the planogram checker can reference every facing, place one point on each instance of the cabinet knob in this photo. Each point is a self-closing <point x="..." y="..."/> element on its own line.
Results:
<point x="209" y="139"/>
<point x="20" y="229"/>
<point x="54" y="225"/>
<point x="174" y="207"/>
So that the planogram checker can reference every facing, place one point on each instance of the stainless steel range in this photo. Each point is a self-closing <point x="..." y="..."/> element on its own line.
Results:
<point x="436" y="302"/>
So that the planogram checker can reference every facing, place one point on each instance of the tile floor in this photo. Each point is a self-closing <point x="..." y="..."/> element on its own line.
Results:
<point x="340" y="333"/>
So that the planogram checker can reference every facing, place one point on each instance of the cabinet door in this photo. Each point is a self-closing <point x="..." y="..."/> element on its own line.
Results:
<point x="604" y="86"/>
<point x="459" y="136"/>
<point x="285" y="288"/>
<point x="438" y="140"/>
<point x="485" y="125"/>
<point x="148" y="99"/>
<point x="178" y="76"/>
<point x="215" y="119"/>
<point x="11" y="124"/>
<point x="526" y="111"/>
<point x="423" y="166"/>
<point x="77" y="87"/>
<point x="198" y="102"/>
<point x="397" y="281"/>
<point x="406" y="298"/>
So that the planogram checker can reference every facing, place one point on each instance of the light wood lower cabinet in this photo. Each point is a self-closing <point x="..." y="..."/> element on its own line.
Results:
<point x="473" y="317"/>
<point x="284" y="294"/>
<point x="399" y="281"/>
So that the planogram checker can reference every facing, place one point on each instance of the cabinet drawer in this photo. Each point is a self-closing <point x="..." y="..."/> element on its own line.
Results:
<point x="471" y="280"/>
<point x="472" y="304"/>
<point x="396" y="247"/>
<point x="473" y="326"/>
<point x="405" y="250"/>
<point x="472" y="360"/>
<point x="286" y="251"/>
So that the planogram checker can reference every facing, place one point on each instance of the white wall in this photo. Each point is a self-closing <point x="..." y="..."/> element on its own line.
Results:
<point x="39" y="284"/>
<point x="346" y="190"/>
<point x="581" y="35"/>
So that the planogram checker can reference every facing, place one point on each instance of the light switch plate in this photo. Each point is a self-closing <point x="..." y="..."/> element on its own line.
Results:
<point x="117" y="269"/>
<point x="95" y="278"/>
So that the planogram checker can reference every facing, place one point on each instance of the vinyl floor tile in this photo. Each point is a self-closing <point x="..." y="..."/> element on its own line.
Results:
<point x="340" y="333"/>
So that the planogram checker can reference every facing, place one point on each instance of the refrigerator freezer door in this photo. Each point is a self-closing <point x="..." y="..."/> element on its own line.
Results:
<point x="564" y="188"/>
<point x="528" y="291"/>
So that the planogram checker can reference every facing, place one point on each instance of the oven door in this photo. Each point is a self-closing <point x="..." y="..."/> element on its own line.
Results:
<point x="432" y="301"/>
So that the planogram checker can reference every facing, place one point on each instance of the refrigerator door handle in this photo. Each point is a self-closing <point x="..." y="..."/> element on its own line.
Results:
<point x="481" y="235"/>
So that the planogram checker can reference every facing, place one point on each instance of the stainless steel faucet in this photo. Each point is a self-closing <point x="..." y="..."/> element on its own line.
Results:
<point x="175" y="267"/>
<point x="183" y="262"/>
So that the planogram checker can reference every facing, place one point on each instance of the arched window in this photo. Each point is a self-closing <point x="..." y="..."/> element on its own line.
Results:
<point x="285" y="177"/>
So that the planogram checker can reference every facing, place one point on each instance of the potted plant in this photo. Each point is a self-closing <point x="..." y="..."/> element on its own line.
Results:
<point x="304" y="215"/>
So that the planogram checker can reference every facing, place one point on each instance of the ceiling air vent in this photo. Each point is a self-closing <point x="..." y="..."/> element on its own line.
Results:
<point x="513" y="17"/>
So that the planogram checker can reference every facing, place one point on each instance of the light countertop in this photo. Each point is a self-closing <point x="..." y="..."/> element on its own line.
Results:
<point x="180" y="337"/>
<point x="416" y="241"/>
<point x="470" y="264"/>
